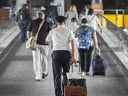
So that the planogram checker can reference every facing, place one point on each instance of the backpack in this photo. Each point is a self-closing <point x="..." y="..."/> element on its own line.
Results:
<point x="85" y="37"/>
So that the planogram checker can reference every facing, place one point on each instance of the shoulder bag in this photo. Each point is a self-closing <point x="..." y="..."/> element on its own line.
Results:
<point x="32" y="41"/>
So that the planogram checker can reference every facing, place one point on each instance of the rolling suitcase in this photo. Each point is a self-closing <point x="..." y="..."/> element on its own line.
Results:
<point x="76" y="85"/>
<point x="98" y="66"/>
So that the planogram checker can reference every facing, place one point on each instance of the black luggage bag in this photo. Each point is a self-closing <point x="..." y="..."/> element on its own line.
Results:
<point x="98" y="66"/>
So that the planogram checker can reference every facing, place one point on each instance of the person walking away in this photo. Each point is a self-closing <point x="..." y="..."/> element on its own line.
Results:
<point x="61" y="56"/>
<point x="94" y="21"/>
<point x="87" y="41"/>
<point x="71" y="13"/>
<point x="23" y="19"/>
<point x="40" y="55"/>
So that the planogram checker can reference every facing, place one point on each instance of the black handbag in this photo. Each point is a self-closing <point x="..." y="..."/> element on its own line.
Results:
<point x="98" y="66"/>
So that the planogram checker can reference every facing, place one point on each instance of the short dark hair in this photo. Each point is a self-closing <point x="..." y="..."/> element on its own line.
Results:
<point x="24" y="5"/>
<point x="39" y="14"/>
<point x="60" y="19"/>
<point x="84" y="21"/>
<point x="73" y="19"/>
<point x="90" y="11"/>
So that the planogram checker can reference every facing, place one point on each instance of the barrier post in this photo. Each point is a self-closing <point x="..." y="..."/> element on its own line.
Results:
<point x="116" y="20"/>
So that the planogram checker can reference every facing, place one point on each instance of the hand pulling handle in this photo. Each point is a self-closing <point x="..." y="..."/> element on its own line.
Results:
<point x="75" y="65"/>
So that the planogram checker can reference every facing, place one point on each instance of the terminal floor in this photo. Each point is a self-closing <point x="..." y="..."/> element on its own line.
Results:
<point x="17" y="79"/>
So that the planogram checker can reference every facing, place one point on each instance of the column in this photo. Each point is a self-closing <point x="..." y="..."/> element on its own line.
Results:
<point x="60" y="7"/>
<point x="19" y="4"/>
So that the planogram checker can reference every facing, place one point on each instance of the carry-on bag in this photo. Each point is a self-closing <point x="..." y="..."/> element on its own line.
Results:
<point x="76" y="85"/>
<point x="98" y="67"/>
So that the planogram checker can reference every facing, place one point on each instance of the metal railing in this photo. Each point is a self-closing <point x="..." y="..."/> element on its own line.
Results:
<point x="6" y="25"/>
<point x="118" y="32"/>
<point x="116" y="11"/>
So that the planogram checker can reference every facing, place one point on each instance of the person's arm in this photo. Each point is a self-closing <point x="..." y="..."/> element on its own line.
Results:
<point x="73" y="48"/>
<point x="74" y="53"/>
<point x="96" y="42"/>
<point x="76" y="32"/>
<point x="29" y="32"/>
<point x="49" y="37"/>
<point x="28" y="14"/>
<point x="17" y="17"/>
<point x="99" y="24"/>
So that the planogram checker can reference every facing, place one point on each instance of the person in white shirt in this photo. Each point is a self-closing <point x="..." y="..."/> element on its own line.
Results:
<point x="71" y="13"/>
<point x="94" y="20"/>
<point x="61" y="56"/>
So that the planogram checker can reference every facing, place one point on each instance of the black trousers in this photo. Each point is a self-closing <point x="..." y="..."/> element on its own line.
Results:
<point x="85" y="58"/>
<point x="61" y="65"/>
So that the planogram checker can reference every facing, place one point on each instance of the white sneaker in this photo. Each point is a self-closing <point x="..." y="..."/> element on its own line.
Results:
<point x="38" y="78"/>
<point x="83" y="74"/>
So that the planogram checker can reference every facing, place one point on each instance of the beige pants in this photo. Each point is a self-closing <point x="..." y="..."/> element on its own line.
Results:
<point x="40" y="60"/>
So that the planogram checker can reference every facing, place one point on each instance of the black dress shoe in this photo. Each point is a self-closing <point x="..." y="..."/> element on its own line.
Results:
<point x="87" y="73"/>
<point x="38" y="80"/>
<point x="44" y="75"/>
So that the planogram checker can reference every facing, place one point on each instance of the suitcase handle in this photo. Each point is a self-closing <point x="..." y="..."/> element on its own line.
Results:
<point x="79" y="72"/>
<point x="75" y="65"/>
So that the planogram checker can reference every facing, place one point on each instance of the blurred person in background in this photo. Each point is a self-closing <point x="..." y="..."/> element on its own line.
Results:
<point x="93" y="20"/>
<point x="40" y="54"/>
<point x="71" y="13"/>
<point x="23" y="19"/>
